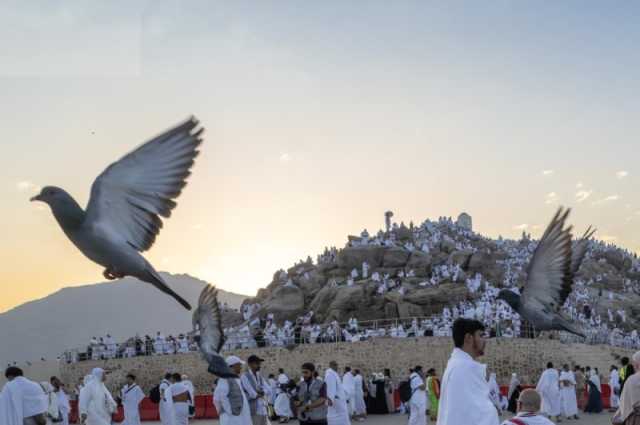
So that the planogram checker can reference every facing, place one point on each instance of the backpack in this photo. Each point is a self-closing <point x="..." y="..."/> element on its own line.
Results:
<point x="154" y="394"/>
<point x="405" y="391"/>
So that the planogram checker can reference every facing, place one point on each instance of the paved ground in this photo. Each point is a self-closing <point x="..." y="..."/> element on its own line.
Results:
<point x="601" y="419"/>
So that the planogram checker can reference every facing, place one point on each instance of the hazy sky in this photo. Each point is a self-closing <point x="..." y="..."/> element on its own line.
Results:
<point x="320" y="116"/>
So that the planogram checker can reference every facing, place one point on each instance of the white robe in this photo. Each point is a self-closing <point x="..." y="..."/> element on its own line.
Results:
<point x="418" y="402"/>
<point x="530" y="419"/>
<point x="223" y="405"/>
<point x="20" y="399"/>
<point x="549" y="390"/>
<point x="568" y="395"/>
<point x="64" y="407"/>
<point x="97" y="403"/>
<point x="337" y="412"/>
<point x="350" y="391"/>
<point x="166" y="404"/>
<point x="180" y="409"/>
<point x="359" y="407"/>
<point x="131" y="399"/>
<point x="464" y="383"/>
<point x="614" y="383"/>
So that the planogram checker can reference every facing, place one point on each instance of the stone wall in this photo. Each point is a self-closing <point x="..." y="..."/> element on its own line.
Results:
<point x="526" y="357"/>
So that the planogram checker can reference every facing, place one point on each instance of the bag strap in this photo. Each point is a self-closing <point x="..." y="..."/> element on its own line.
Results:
<point x="517" y="421"/>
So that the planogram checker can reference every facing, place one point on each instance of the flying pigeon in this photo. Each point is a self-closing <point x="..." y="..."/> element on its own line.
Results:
<point x="580" y="250"/>
<point x="549" y="280"/>
<point x="207" y="326"/>
<point x="122" y="218"/>
<point x="207" y="329"/>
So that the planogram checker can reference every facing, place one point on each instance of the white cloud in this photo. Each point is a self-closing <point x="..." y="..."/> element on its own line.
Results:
<point x="551" y="198"/>
<point x="609" y="198"/>
<point x="622" y="174"/>
<point x="523" y="226"/>
<point x="285" y="157"/>
<point x="582" y="195"/>
<point x="27" y="186"/>
<point x="547" y="172"/>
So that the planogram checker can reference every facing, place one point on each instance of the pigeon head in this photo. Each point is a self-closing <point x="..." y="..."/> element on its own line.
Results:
<point x="64" y="207"/>
<point x="510" y="298"/>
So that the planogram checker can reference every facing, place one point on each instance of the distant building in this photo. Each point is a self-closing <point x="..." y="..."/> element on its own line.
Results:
<point x="464" y="221"/>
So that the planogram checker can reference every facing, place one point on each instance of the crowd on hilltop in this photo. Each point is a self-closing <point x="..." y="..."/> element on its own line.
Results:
<point x="260" y="329"/>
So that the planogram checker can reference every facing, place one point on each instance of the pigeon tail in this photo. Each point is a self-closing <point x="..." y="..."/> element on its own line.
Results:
<point x="565" y="325"/>
<point x="152" y="277"/>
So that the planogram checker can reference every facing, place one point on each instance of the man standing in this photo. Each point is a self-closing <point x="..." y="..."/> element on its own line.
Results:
<point x="581" y="382"/>
<point x="350" y="390"/>
<point x="614" y="384"/>
<point x="337" y="413"/>
<point x="568" y="393"/>
<point x="22" y="402"/>
<point x="166" y="408"/>
<point x="528" y="408"/>
<point x="96" y="403"/>
<point x="312" y="397"/>
<point x="418" y="402"/>
<point x="625" y="372"/>
<point x="232" y="406"/>
<point x="549" y="390"/>
<point x="192" y="393"/>
<point x="433" y="392"/>
<point x="131" y="396"/>
<point x="464" y="383"/>
<point x="359" y="405"/>
<point x="180" y="397"/>
<point x="63" y="400"/>
<point x="255" y="388"/>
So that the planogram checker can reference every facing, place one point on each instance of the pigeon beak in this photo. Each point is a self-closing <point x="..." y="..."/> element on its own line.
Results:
<point x="35" y="198"/>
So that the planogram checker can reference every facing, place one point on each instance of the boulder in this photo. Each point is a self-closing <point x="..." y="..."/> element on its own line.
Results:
<point x="353" y="257"/>
<point x="419" y="261"/>
<point x="396" y="257"/>
<point x="407" y="310"/>
<point x="433" y="299"/>
<point x="460" y="258"/>
<point x="287" y="303"/>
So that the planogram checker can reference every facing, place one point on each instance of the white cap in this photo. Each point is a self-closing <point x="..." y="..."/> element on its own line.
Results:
<point x="233" y="360"/>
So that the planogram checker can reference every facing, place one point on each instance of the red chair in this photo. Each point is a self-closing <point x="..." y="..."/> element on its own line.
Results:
<point x="201" y="406"/>
<point x="210" y="411"/>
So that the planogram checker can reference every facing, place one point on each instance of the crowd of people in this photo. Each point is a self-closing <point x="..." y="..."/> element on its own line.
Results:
<point x="464" y="395"/>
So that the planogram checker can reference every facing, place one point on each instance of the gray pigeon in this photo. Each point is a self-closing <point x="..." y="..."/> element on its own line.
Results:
<point x="122" y="217"/>
<point x="580" y="250"/>
<point x="549" y="280"/>
<point x="207" y="328"/>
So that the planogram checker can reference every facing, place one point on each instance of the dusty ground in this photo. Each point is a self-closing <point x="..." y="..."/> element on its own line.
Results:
<point x="600" y="419"/>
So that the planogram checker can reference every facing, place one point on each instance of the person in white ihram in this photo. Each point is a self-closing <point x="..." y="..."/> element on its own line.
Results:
<point x="418" y="401"/>
<point x="549" y="389"/>
<point x="64" y="407"/>
<point x="568" y="393"/>
<point x="349" y="386"/>
<point x="22" y="402"/>
<point x="131" y="396"/>
<point x="166" y="411"/>
<point x="221" y="397"/>
<point x="464" y="395"/>
<point x="178" y="396"/>
<point x="337" y="412"/>
<point x="528" y="409"/>
<point x="96" y="403"/>
<point x="192" y="393"/>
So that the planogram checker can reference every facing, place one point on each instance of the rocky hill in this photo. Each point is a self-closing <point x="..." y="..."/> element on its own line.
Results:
<point x="425" y="268"/>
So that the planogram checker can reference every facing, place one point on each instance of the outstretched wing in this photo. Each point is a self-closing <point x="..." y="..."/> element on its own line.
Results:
<point x="207" y="320"/>
<point x="129" y="197"/>
<point x="549" y="279"/>
<point x="580" y="250"/>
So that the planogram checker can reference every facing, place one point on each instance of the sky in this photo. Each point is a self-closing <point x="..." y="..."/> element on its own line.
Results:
<point x="319" y="117"/>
